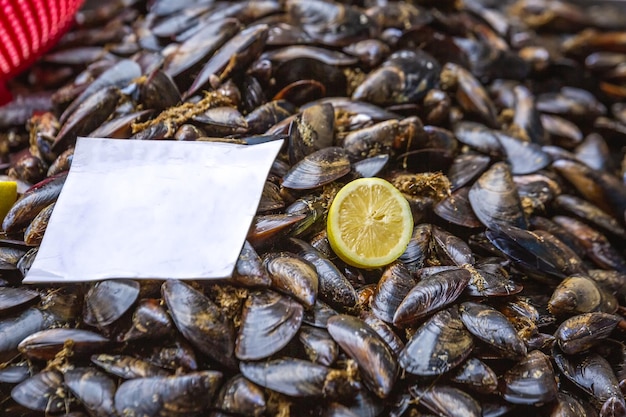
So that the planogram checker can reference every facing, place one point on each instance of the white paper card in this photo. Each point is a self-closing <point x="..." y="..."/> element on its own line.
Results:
<point x="153" y="209"/>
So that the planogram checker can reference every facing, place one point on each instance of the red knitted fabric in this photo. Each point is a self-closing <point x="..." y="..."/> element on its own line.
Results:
<point x="28" y="28"/>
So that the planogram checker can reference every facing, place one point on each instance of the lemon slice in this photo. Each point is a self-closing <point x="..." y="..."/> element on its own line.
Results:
<point x="8" y="195"/>
<point x="369" y="223"/>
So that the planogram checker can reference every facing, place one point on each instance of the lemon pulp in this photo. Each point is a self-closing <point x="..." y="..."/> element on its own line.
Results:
<point x="369" y="223"/>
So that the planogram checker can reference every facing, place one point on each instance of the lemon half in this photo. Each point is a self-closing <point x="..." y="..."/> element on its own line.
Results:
<point x="8" y="195"/>
<point x="369" y="223"/>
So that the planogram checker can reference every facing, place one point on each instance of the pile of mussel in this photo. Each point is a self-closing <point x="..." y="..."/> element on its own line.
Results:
<point x="503" y="124"/>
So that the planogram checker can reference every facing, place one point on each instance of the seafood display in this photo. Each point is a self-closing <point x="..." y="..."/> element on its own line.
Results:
<point x="502" y="123"/>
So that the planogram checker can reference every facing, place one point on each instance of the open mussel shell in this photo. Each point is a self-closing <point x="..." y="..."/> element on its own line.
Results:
<point x="317" y="169"/>
<point x="579" y="294"/>
<point x="181" y="395"/>
<point x="269" y="321"/>
<point x="581" y="332"/>
<point x="94" y="389"/>
<point x="431" y="294"/>
<point x="494" y="198"/>
<point x="376" y="361"/>
<point x="493" y="328"/>
<point x="437" y="346"/>
<point x="444" y="400"/>
<point x="531" y="381"/>
<point x="201" y="322"/>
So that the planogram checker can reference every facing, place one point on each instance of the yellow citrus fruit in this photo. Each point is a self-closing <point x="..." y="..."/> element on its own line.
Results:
<point x="369" y="223"/>
<point x="8" y="195"/>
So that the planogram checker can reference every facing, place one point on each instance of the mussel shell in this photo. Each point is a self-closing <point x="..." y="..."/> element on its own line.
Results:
<point x="446" y="400"/>
<point x="292" y="275"/>
<point x="439" y="345"/>
<point x="581" y="332"/>
<point x="271" y="199"/>
<point x="318" y="345"/>
<point x="475" y="374"/>
<point x="579" y="294"/>
<point x="465" y="168"/>
<point x="567" y="405"/>
<point x="127" y="367"/>
<point x="453" y="247"/>
<point x="14" y="374"/>
<point x="311" y="131"/>
<point x="334" y="287"/>
<point x="431" y="294"/>
<point x="200" y="321"/>
<point x="589" y="372"/>
<point x="384" y="330"/>
<point x="392" y="287"/>
<point x="269" y="321"/>
<point x="457" y="209"/>
<point x="494" y="199"/>
<point x="149" y="321"/>
<point x="289" y="376"/>
<point x="108" y="300"/>
<point x="33" y="235"/>
<point x="376" y="361"/>
<point x="41" y="392"/>
<point x="418" y="248"/>
<point x="405" y="77"/>
<point x="12" y="298"/>
<point x="532" y="381"/>
<point x="481" y="138"/>
<point x="523" y="157"/>
<point x="180" y="395"/>
<point x="32" y="202"/>
<point x="94" y="390"/>
<point x="491" y="280"/>
<point x="318" y="315"/>
<point x="597" y="246"/>
<point x="537" y="251"/>
<point x="493" y="328"/>
<point x="590" y="213"/>
<point x="45" y="344"/>
<point x="319" y="168"/>
<point x="240" y="396"/>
